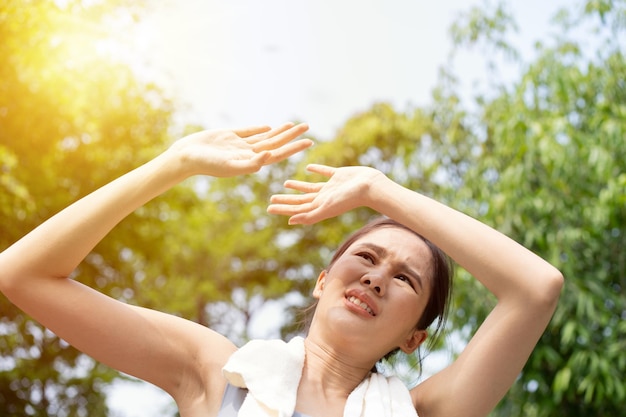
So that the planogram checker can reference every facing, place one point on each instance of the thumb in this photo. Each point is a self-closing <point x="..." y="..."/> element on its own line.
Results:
<point x="261" y="158"/>
<point x="248" y="166"/>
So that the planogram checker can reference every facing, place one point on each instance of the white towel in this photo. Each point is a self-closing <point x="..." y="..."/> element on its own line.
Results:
<point x="271" y="371"/>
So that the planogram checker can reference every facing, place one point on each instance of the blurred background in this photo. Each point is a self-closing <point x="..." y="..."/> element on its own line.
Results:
<point x="512" y="111"/>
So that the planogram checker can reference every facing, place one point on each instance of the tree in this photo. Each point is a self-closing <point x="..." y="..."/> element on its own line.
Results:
<point x="552" y="170"/>
<point x="71" y="119"/>
<point x="540" y="158"/>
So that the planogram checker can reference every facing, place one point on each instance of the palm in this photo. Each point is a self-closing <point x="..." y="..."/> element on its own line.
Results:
<point x="225" y="153"/>
<point x="345" y="190"/>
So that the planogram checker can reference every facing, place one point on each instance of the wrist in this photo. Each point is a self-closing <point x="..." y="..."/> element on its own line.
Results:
<point x="176" y="165"/>
<point x="376" y="192"/>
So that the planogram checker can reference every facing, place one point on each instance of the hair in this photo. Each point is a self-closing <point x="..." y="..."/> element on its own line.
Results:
<point x="441" y="281"/>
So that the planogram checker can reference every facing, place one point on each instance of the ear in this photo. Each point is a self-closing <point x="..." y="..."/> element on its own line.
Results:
<point x="319" y="285"/>
<point x="413" y="341"/>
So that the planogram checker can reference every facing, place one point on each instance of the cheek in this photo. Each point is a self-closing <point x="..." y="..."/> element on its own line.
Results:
<point x="410" y="307"/>
<point x="345" y="272"/>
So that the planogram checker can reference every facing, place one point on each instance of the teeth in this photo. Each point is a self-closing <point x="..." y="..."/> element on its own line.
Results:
<point x="361" y="304"/>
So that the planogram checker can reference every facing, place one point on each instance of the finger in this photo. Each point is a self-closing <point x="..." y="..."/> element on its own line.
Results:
<point x="292" y="199"/>
<point x="309" y="217"/>
<point x="288" y="209"/>
<point x="251" y="131"/>
<point x="269" y="133"/>
<point x="304" y="186"/>
<point x="325" y="170"/>
<point x="297" y="219"/>
<point x="274" y="141"/>
<point x="248" y="166"/>
<point x="288" y="150"/>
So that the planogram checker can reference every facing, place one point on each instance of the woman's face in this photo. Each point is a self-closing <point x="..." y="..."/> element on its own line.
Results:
<point x="374" y="294"/>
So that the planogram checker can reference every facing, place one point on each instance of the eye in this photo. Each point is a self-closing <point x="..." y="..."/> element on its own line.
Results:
<point x="405" y="279"/>
<point x="368" y="257"/>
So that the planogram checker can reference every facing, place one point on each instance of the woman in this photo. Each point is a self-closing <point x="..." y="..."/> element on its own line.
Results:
<point x="370" y="299"/>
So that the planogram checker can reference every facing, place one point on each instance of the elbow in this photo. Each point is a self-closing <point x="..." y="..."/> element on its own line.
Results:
<point x="550" y="289"/>
<point x="5" y="278"/>
<point x="6" y="288"/>
<point x="6" y="284"/>
<point x="9" y="276"/>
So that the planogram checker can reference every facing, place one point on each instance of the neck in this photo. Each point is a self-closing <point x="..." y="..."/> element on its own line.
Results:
<point x="331" y="373"/>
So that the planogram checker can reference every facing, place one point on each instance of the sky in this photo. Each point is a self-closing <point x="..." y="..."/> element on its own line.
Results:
<point x="246" y="62"/>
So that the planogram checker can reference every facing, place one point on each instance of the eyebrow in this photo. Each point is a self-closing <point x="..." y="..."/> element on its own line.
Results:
<point x="382" y="252"/>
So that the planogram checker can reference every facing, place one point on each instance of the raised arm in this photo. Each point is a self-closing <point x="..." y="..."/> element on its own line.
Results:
<point x="152" y="346"/>
<point x="526" y="286"/>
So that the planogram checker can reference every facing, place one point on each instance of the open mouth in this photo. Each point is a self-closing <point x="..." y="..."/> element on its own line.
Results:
<point x="357" y="302"/>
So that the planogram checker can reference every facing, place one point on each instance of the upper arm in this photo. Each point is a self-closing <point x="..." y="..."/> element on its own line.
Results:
<point x="168" y="351"/>
<point x="488" y="366"/>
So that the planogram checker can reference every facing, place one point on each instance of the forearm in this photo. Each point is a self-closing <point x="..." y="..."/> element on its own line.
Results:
<point x="506" y="268"/>
<point x="56" y="247"/>
<point x="163" y="349"/>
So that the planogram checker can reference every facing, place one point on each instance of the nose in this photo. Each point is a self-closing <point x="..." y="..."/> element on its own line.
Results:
<point x="375" y="281"/>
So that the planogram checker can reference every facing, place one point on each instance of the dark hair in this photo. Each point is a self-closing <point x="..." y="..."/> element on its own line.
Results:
<point x="441" y="280"/>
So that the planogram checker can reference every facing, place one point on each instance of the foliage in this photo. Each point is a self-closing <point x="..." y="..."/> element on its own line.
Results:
<point x="71" y="118"/>
<point x="75" y="116"/>
<point x="541" y="159"/>
<point x="552" y="171"/>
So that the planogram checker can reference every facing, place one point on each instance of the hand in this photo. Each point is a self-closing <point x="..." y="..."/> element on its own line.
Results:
<point x="226" y="153"/>
<point x="346" y="189"/>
